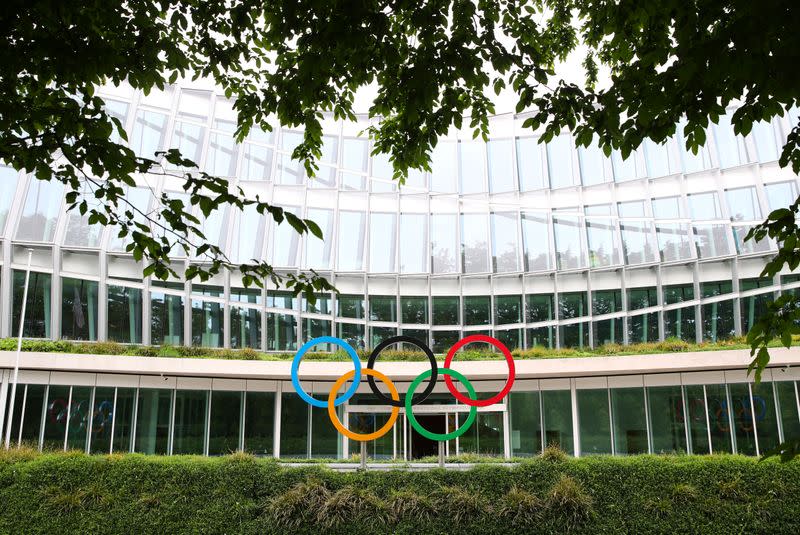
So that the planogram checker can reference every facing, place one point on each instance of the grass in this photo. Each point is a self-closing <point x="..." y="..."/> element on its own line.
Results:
<point x="671" y="345"/>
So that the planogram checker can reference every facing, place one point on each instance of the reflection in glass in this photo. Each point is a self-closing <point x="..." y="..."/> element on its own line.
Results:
<point x="524" y="417"/>
<point x="102" y="416"/>
<point x="477" y="310"/>
<point x="256" y="162"/>
<point x="222" y="155"/>
<point x="259" y="422"/>
<point x="781" y="194"/>
<point x="501" y="159"/>
<point x="190" y="422"/>
<point x="351" y="250"/>
<point x="124" y="314"/>
<point x="225" y="422"/>
<point x="557" y="419"/>
<point x="443" y="243"/>
<point x="382" y="242"/>
<point x="630" y="427"/>
<point x="80" y="414"/>
<point x="55" y="419"/>
<point x="719" y="418"/>
<point x="445" y="310"/>
<point x="569" y="253"/>
<point x="530" y="168"/>
<point x="535" y="233"/>
<point x="765" y="416"/>
<point x="680" y="323"/>
<point x="414" y="309"/>
<point x="8" y="187"/>
<point x="507" y="309"/>
<point x="245" y="327"/>
<point x="40" y="211"/>
<point x="667" y="429"/>
<point x="413" y="243"/>
<point x="474" y="243"/>
<point x="443" y="167"/>
<point x="318" y="251"/>
<point x="383" y="308"/>
<point x="718" y="321"/>
<point x="673" y="241"/>
<point x="695" y="411"/>
<point x="37" y="307"/>
<point x="559" y="161"/>
<point x="539" y="308"/>
<point x="78" y="309"/>
<point x="207" y="324"/>
<point x="505" y="242"/>
<point x="281" y="330"/>
<point x="591" y="163"/>
<point x="166" y="327"/>
<point x="601" y="237"/>
<point x="149" y="132"/>
<point x="594" y="424"/>
<point x="741" y="410"/>
<point x="123" y="419"/>
<point x="743" y="204"/>
<point x="286" y="242"/>
<point x="152" y="420"/>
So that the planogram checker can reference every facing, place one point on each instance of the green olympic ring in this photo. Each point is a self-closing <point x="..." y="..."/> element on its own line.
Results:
<point x="473" y="410"/>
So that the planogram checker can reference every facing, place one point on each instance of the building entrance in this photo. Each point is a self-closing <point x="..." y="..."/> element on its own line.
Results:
<point x="421" y="446"/>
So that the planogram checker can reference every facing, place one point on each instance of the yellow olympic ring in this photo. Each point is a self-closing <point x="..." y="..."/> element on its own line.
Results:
<point x="362" y="437"/>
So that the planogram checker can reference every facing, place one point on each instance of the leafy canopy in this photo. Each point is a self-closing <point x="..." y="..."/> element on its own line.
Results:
<point x="432" y="64"/>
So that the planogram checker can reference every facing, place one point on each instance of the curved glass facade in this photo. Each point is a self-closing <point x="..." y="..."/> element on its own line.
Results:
<point x="539" y="244"/>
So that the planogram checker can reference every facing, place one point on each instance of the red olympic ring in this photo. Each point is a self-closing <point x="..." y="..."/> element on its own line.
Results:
<point x="511" y="371"/>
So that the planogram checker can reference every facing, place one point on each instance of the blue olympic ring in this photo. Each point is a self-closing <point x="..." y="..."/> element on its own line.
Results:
<point x="296" y="365"/>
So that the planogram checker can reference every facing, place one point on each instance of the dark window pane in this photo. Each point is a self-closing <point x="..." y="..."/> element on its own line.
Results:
<point x="281" y="331"/>
<point x="718" y="321"/>
<point x="718" y="418"/>
<point x="37" y="309"/>
<point x="608" y="332"/>
<point x="574" y="335"/>
<point x="382" y="308"/>
<point x="542" y="337"/>
<point x="443" y="340"/>
<point x="190" y="421"/>
<point x="677" y="293"/>
<point x="679" y="323"/>
<point x="710" y="289"/>
<point x="207" y="324"/>
<point x="124" y="314"/>
<point x="32" y="417"/>
<point x="742" y="412"/>
<point x="352" y="333"/>
<point x="78" y="309"/>
<point x="153" y="414"/>
<point x="511" y="338"/>
<point x="166" y="325"/>
<point x="593" y="420"/>
<point x="123" y="419"/>
<point x="259" y="422"/>
<point x="477" y="310"/>
<point x="630" y="422"/>
<point x="557" y="419"/>
<point x="526" y="432"/>
<point x="606" y="301"/>
<point x="642" y="298"/>
<point x="325" y="441"/>
<point x="445" y="311"/>
<point x="281" y="300"/>
<point x="79" y="416"/>
<point x="696" y="419"/>
<point x="507" y="309"/>
<point x="753" y="307"/>
<point x="55" y="422"/>
<point x="102" y="419"/>
<point x="540" y="308"/>
<point x="350" y="306"/>
<point x="245" y="327"/>
<point x="223" y="434"/>
<point x="667" y="430"/>
<point x="572" y="305"/>
<point x="294" y="426"/>
<point x="643" y="328"/>
<point x="790" y="417"/>
<point x="766" y="417"/>
<point x="414" y="309"/>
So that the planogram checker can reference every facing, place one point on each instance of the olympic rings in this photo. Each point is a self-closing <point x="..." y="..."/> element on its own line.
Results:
<point x="409" y="340"/>
<point x="511" y="371"/>
<point x="362" y="437"/>
<point x="296" y="365"/>
<point x="408" y="401"/>
<point x="473" y="410"/>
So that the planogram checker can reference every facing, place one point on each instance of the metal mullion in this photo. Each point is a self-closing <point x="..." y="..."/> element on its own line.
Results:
<point x="69" y="415"/>
<point x="242" y="418"/>
<point x="611" y="420"/>
<point x="113" y="421"/>
<point x="541" y="421"/>
<point x="135" y="419"/>
<point x="91" y="419"/>
<point x="207" y="433"/>
<point x="753" y="417"/>
<point x="689" y="445"/>
<point x="22" y="414"/>
<point x="735" y="446"/>
<point x="647" y="419"/>
<point x="276" y="432"/>
<point x="44" y="416"/>
<point x="171" y="431"/>
<point x="777" y="404"/>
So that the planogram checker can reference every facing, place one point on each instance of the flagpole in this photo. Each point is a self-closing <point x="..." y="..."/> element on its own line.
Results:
<point x="19" y="351"/>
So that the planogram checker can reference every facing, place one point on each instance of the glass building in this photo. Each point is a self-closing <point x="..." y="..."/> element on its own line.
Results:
<point x="535" y="244"/>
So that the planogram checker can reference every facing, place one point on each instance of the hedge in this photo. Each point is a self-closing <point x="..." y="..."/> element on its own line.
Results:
<point x="76" y="493"/>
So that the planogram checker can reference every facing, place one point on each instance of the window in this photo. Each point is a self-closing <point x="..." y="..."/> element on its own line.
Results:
<point x="726" y="142"/>
<point x="154" y="412"/>
<point x="8" y="187"/>
<point x="677" y="293"/>
<point x="637" y="242"/>
<point x="294" y="426"/>
<point x="471" y="155"/>
<point x="102" y="415"/>
<point x="743" y="204"/>
<point x="40" y="211"/>
<point x="207" y="324"/>
<point x="526" y="431"/>
<point x="572" y="305"/>
<point x="350" y="306"/>
<point x="501" y="162"/>
<point x="511" y="338"/>
<point x="557" y="419"/>
<point x="642" y="298"/>
<point x="443" y="167"/>
<point x="505" y="243"/>
<point x="539" y="308"/>
<point x="188" y="139"/>
<point x="149" y="132"/>
<point x="379" y="334"/>
<point x="414" y="309"/>
<point x="535" y="233"/>
<point x="781" y="194"/>
<point x="382" y="243"/>
<point x="507" y="309"/>
<point x="530" y="167"/>
<point x="222" y="155"/>
<point x="710" y="289"/>
<point x="559" y="160"/>
<point x="352" y="333"/>
<point x="673" y="241"/>
<point x="78" y="309"/>
<point x="355" y="154"/>
<point x="680" y="323"/>
<point x="445" y="310"/>
<point x="574" y="335"/>
<point x="703" y="206"/>
<point x="315" y="328"/>
<point x="37" y="307"/>
<point x="190" y="422"/>
<point x="601" y="236"/>
<point x="541" y="337"/>
<point x="224" y="422"/>
<point x="643" y="328"/>
<point x="764" y="135"/>
<point x="413" y="243"/>
<point x="286" y="242"/>
<point x="667" y="430"/>
<point x="249" y="236"/>
<point x="607" y="332"/>
<point x="442" y="341"/>
<point x="245" y="327"/>
<point x="124" y="314"/>
<point x="630" y="427"/>
<point x="443" y="243"/>
<point x="718" y="321"/>
<point x="318" y="251"/>
<point x="719" y="418"/>
<point x="594" y="424"/>
<point x="259" y="418"/>
<point x="765" y="416"/>
<point x="382" y="308"/>
<point x="474" y="243"/>
<point x="281" y="332"/>
<point x="695" y="411"/>
<point x="257" y="162"/>
<point x="351" y="251"/>
<point x="752" y="308"/>
<point x="606" y="301"/>
<point x="569" y="253"/>
<point x="657" y="159"/>
<point x="166" y="327"/>
<point x="667" y="208"/>
<point x="624" y="169"/>
<point x="477" y="310"/>
<point x="592" y="162"/>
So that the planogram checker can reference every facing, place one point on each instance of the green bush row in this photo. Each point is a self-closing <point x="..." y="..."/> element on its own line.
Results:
<point x="671" y="345"/>
<point x="76" y="493"/>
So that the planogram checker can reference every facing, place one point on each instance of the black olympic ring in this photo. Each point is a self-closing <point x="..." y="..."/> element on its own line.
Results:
<point x="431" y="382"/>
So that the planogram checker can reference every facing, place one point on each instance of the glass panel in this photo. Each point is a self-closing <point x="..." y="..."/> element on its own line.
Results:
<point x="601" y="236"/>
<point x="606" y="301"/>
<point x="188" y="139"/>
<point x="630" y="422"/>
<point x="486" y="435"/>
<point x="594" y="424"/>
<point x="574" y="335"/>
<point x="541" y="337"/>
<point x="667" y="208"/>
<point x="780" y="195"/>
<point x="222" y="155"/>
<point x="259" y="422"/>
<point x="752" y="308"/>
<point x="314" y="328"/>
<point x="318" y="251"/>
<point x="79" y="232"/>
<point x="667" y="430"/>
<point x="37" y="308"/>
<point x="742" y="412"/>
<point x="719" y="423"/>
<point x="443" y="167"/>
<point x="505" y="243"/>
<point x="643" y="328"/>
<point x="379" y="334"/>
<point x="442" y="341"/>
<point x="152" y="420"/>
<point x="207" y="324"/>
<point x="257" y="162"/>
<point x="657" y="159"/>
<point x="102" y="418"/>
<point x="245" y="295"/>
<point x="32" y="417"/>
<point x="711" y="240"/>
<point x="539" y="307"/>
<point x="790" y="417"/>
<point x="80" y="414"/>
<point x="569" y="253"/>
<point x="764" y="136"/>
<point x="248" y="242"/>
<point x="414" y="309"/>
<point x="572" y="305"/>
<point x="591" y="162"/>
<point x="223" y="435"/>
<point x="445" y="310"/>
<point x="325" y="441"/>
<point x="726" y="142"/>
<point x="382" y="308"/>
<point x="139" y="198"/>
<point x="529" y="164"/>
<point x="350" y="306"/>
<point x="743" y="204"/>
<point x="166" y="327"/>
<point x="281" y="330"/>
<point x="624" y="169"/>
<point x="245" y="327"/>
<point x="8" y="187"/>
<point x="677" y="293"/>
<point x="704" y="206"/>
<point x="526" y="431"/>
<point x="673" y="241"/>
<point x="766" y="417"/>
<point x="535" y="232"/>
<point x="471" y="154"/>
<point x="124" y="314"/>
<point x="382" y="243"/>
<point x="718" y="321"/>
<point x="698" y="424"/>
<point x="294" y="426"/>
<point x="382" y="448"/>
<point x="557" y="419"/>
<point x="41" y="210"/>
<point x="608" y="332"/>
<point x="123" y="419"/>
<point x="351" y="250"/>
<point x="78" y="309"/>
<point x="286" y="243"/>
<point x="443" y="243"/>
<point x="709" y="289"/>
<point x="355" y="154"/>
<point x="680" y="323"/>
<point x="474" y="243"/>
<point x="413" y="243"/>
<point x="477" y="310"/>
<point x="501" y="161"/>
<point x="637" y="242"/>
<point x="149" y="132"/>
<point x="352" y="333"/>
<point x="55" y="420"/>
<point x="190" y="422"/>
<point x="559" y="160"/>
<point x="511" y="338"/>
<point x="507" y="309"/>
<point x="281" y="300"/>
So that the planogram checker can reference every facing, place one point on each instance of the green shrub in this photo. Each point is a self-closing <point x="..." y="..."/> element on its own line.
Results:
<point x="553" y="453"/>
<point x="568" y="500"/>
